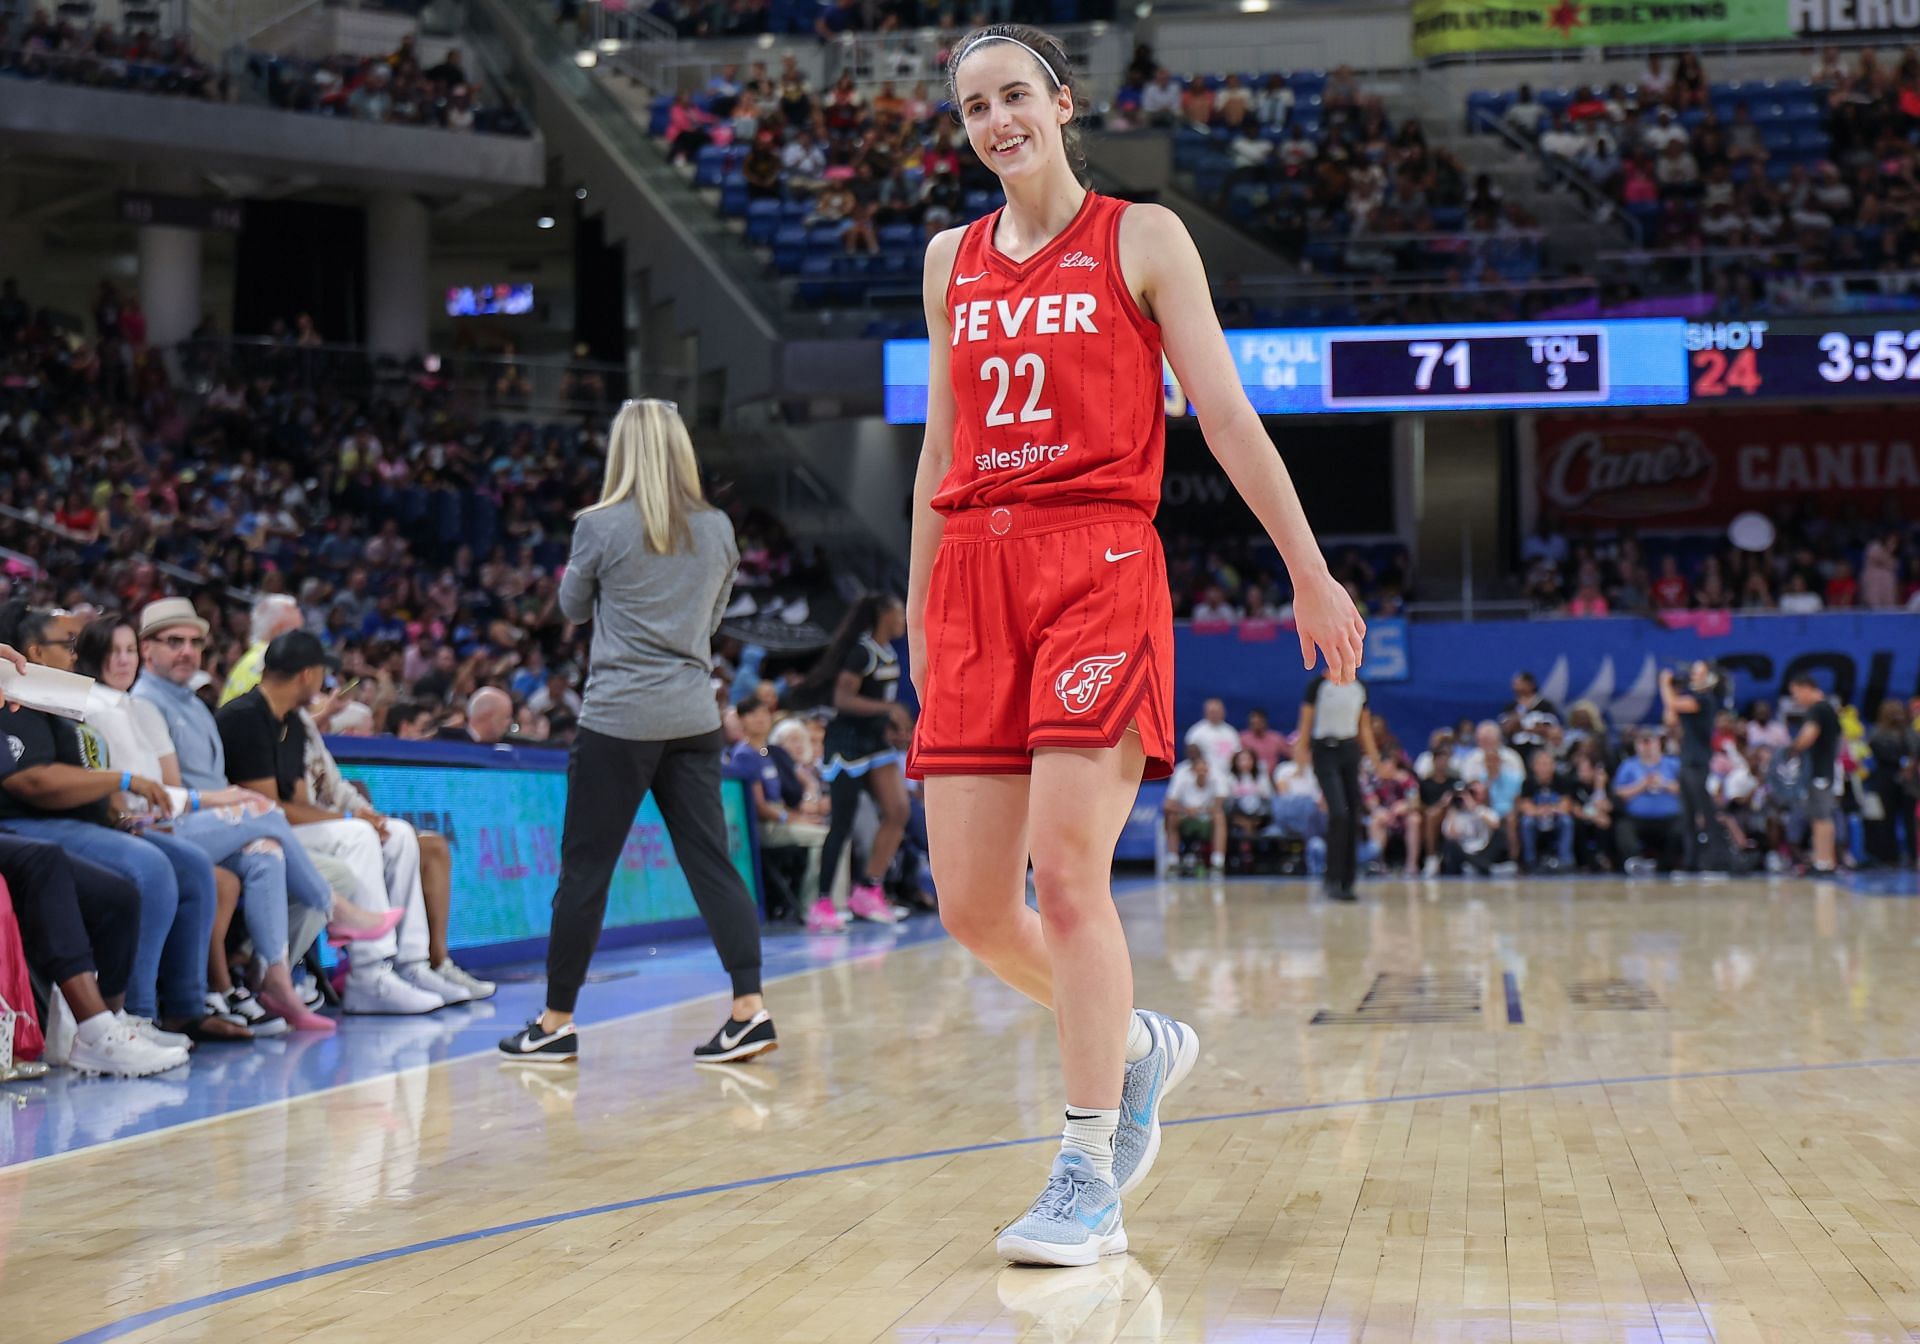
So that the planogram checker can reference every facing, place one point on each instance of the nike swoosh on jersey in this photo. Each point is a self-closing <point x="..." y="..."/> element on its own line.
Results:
<point x="1114" y="556"/>
<point x="968" y="279"/>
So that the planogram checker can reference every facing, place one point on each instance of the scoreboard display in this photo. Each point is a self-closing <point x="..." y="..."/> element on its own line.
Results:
<point x="1534" y="366"/>
<point x="1462" y="366"/>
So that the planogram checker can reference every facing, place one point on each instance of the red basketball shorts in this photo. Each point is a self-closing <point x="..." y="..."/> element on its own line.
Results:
<point x="1046" y="627"/>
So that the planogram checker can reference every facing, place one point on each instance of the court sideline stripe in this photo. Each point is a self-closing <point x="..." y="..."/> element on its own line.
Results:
<point x="154" y="1315"/>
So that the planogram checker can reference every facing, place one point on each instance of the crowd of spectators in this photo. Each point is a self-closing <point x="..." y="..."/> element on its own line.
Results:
<point x="841" y="18"/>
<point x="396" y="88"/>
<point x="1220" y="579"/>
<point x="1814" y="564"/>
<point x="1534" y="788"/>
<point x="861" y="158"/>
<point x="1818" y="192"/>
<point x="99" y="56"/>
<point x="418" y="539"/>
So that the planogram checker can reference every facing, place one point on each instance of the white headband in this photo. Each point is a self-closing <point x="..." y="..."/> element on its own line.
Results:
<point x="1002" y="37"/>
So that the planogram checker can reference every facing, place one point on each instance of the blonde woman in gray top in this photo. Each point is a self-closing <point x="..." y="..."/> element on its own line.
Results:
<point x="652" y="568"/>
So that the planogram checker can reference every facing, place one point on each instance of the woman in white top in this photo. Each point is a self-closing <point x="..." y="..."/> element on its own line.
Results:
<point x="285" y="900"/>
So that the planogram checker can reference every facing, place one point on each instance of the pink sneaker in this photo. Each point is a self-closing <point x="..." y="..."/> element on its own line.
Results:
<point x="823" y="918"/>
<point x="867" y="901"/>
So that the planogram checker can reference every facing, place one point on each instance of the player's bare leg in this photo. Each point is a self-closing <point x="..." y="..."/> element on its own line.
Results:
<point x="977" y="842"/>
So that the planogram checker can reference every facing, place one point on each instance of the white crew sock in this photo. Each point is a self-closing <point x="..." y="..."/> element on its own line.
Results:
<point x="94" y="1029"/>
<point x="1139" y="1039"/>
<point x="1090" y="1132"/>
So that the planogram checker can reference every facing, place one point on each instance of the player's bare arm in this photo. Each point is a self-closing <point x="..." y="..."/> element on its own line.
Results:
<point x="936" y="448"/>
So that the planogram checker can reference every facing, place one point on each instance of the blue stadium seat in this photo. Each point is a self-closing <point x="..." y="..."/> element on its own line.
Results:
<point x="896" y="235"/>
<point x="709" y="166"/>
<point x="789" y="248"/>
<point x="763" y="221"/>
<point x="826" y="236"/>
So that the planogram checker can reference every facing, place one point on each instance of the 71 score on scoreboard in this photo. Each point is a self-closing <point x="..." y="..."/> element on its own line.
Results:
<point x="1463" y="366"/>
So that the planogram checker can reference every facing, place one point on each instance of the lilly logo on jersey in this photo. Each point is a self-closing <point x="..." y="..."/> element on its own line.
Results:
<point x="1079" y="686"/>
<point x="1019" y="459"/>
<point x="1077" y="260"/>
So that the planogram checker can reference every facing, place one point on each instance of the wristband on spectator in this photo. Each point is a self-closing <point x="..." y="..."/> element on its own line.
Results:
<point x="193" y="800"/>
<point x="126" y="780"/>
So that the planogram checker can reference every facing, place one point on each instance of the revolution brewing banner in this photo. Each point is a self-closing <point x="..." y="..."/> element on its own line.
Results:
<point x="503" y="825"/>
<point x="1458" y="27"/>
<point x="1699" y="471"/>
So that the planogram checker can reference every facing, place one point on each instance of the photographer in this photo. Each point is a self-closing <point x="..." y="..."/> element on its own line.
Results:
<point x="1470" y="833"/>
<point x="1694" y="710"/>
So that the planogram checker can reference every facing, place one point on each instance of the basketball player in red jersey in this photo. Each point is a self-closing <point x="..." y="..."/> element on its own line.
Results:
<point x="1039" y="619"/>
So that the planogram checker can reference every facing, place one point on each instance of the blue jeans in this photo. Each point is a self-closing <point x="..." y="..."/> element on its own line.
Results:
<point x="267" y="880"/>
<point x="1562" y="831"/>
<point x="169" y="976"/>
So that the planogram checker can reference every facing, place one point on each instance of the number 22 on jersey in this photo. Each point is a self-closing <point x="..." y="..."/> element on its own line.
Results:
<point x="1029" y="367"/>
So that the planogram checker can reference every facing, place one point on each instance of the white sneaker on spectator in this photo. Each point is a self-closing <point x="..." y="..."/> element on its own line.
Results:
<point x="421" y="976"/>
<point x="476" y="988"/>
<point x="143" y="1028"/>
<point x="124" y="1053"/>
<point x="377" y="990"/>
<point x="1431" y="866"/>
<point x="308" y="990"/>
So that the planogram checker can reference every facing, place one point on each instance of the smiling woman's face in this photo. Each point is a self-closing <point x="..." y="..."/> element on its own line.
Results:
<point x="1012" y="112"/>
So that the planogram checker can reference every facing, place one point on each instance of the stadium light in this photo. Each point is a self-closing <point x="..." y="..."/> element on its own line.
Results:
<point x="544" y="222"/>
<point x="586" y="60"/>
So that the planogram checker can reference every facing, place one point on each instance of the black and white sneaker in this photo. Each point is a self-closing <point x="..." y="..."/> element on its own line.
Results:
<point x="530" y="1045"/>
<point x="241" y="1003"/>
<point x="737" y="1041"/>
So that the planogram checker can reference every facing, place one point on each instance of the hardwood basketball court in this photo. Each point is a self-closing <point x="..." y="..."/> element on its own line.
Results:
<point x="1528" y="1110"/>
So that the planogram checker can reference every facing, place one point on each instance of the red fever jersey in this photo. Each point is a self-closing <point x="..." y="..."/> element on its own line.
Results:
<point x="1048" y="619"/>
<point x="1056" y="372"/>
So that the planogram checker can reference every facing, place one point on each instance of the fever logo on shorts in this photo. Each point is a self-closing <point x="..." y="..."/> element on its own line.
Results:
<point x="1080" y="685"/>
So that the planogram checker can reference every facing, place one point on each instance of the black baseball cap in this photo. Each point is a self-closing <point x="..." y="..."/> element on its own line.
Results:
<point x="295" y="652"/>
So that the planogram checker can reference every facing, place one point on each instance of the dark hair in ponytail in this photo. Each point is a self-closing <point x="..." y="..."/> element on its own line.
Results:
<point x="1053" y="54"/>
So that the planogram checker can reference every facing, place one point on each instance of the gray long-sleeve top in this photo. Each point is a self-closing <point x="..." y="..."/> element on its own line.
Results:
<point x="653" y="617"/>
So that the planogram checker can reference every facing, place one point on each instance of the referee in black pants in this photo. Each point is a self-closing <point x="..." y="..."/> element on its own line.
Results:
<point x="1335" y="729"/>
<point x="652" y="567"/>
<point x="1695" y="708"/>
